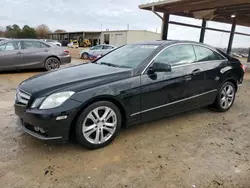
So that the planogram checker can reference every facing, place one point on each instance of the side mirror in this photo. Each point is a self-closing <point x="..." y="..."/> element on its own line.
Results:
<point x="160" y="67"/>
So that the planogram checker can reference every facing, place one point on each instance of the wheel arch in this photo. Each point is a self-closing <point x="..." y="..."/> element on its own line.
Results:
<point x="85" y="53"/>
<point x="230" y="76"/>
<point x="232" y="80"/>
<point x="96" y="99"/>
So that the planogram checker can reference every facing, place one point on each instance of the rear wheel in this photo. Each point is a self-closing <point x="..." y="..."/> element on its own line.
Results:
<point x="225" y="97"/>
<point x="85" y="56"/>
<point x="98" y="125"/>
<point x="52" y="63"/>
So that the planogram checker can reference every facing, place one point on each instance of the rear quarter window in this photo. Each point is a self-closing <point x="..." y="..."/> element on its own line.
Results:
<point x="205" y="54"/>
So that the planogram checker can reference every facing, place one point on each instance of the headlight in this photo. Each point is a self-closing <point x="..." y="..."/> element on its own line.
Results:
<point x="37" y="102"/>
<point x="55" y="99"/>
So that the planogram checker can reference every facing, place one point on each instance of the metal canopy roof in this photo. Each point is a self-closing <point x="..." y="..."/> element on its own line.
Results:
<point x="213" y="10"/>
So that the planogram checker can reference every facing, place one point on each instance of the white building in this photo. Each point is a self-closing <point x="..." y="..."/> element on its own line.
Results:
<point x="115" y="38"/>
<point x="121" y="37"/>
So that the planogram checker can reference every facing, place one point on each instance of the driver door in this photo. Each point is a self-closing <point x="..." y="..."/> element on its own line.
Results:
<point x="164" y="93"/>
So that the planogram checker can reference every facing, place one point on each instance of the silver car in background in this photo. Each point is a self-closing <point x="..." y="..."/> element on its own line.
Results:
<point x="19" y="54"/>
<point x="54" y="42"/>
<point x="2" y="39"/>
<point x="96" y="51"/>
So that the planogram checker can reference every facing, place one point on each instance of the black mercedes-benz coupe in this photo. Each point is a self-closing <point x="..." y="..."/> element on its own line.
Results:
<point x="132" y="84"/>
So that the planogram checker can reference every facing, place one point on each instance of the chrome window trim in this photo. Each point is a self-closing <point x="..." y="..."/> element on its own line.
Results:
<point x="168" y="104"/>
<point x="183" y="64"/>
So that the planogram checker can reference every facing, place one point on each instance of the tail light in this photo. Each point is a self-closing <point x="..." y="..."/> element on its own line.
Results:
<point x="243" y="67"/>
<point x="66" y="51"/>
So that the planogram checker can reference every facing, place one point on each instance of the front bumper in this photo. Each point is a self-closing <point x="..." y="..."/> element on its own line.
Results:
<point x="55" y="130"/>
<point x="65" y="59"/>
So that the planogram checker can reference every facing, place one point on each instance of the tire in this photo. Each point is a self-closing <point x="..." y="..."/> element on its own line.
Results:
<point x="52" y="63"/>
<point x="85" y="56"/>
<point x="225" y="97"/>
<point x="95" y="133"/>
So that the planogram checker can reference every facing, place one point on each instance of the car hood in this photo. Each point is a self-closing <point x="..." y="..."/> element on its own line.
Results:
<point x="75" y="78"/>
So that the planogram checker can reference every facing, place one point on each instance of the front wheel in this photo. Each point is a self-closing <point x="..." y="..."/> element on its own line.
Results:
<point x="98" y="125"/>
<point x="225" y="97"/>
<point x="85" y="56"/>
<point x="52" y="63"/>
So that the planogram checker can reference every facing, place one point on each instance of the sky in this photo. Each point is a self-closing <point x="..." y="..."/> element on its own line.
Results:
<point x="90" y="15"/>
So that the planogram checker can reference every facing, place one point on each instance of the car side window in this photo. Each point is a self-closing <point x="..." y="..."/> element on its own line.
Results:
<point x="31" y="44"/>
<point x="44" y="45"/>
<point x="205" y="54"/>
<point x="177" y="55"/>
<point x="108" y="47"/>
<point x="99" y="47"/>
<point x="15" y="45"/>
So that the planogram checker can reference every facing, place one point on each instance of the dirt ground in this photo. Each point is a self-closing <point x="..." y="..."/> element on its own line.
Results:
<point x="74" y="52"/>
<point x="201" y="148"/>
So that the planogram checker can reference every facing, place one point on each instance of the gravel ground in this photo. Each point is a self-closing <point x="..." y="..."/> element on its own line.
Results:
<point x="201" y="149"/>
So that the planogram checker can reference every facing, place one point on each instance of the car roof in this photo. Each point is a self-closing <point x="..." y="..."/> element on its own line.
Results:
<point x="26" y="39"/>
<point x="170" y="42"/>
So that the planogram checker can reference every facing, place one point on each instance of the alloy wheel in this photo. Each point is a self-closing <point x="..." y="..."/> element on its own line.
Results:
<point x="53" y="63"/>
<point x="227" y="96"/>
<point x="99" y="125"/>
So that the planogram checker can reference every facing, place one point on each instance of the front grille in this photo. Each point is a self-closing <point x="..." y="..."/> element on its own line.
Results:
<point x="22" y="97"/>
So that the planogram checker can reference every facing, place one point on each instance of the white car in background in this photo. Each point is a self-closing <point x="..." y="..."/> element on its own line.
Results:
<point x="52" y="42"/>
<point x="96" y="51"/>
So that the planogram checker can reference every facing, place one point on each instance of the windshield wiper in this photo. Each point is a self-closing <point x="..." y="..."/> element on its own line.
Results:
<point x="109" y="64"/>
<point x="113" y="65"/>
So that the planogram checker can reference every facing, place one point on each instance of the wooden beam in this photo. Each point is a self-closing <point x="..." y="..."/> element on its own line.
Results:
<point x="218" y="30"/>
<point x="202" y="5"/>
<point x="183" y="24"/>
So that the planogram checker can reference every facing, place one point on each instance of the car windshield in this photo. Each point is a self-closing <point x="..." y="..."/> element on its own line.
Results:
<point x="127" y="56"/>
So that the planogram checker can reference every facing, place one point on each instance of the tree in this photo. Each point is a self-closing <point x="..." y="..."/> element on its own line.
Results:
<point x="28" y="32"/>
<point x="42" y="31"/>
<point x="13" y="31"/>
<point x="2" y="33"/>
<point x="2" y="29"/>
<point x="60" y="31"/>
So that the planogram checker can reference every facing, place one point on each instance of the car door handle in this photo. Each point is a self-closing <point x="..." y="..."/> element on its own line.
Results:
<point x="196" y="72"/>
<point x="19" y="52"/>
<point x="46" y="50"/>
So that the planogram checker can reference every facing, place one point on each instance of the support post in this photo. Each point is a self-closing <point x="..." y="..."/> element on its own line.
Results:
<point x="248" y="59"/>
<point x="231" y="38"/>
<point x="165" y="24"/>
<point x="203" y="30"/>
